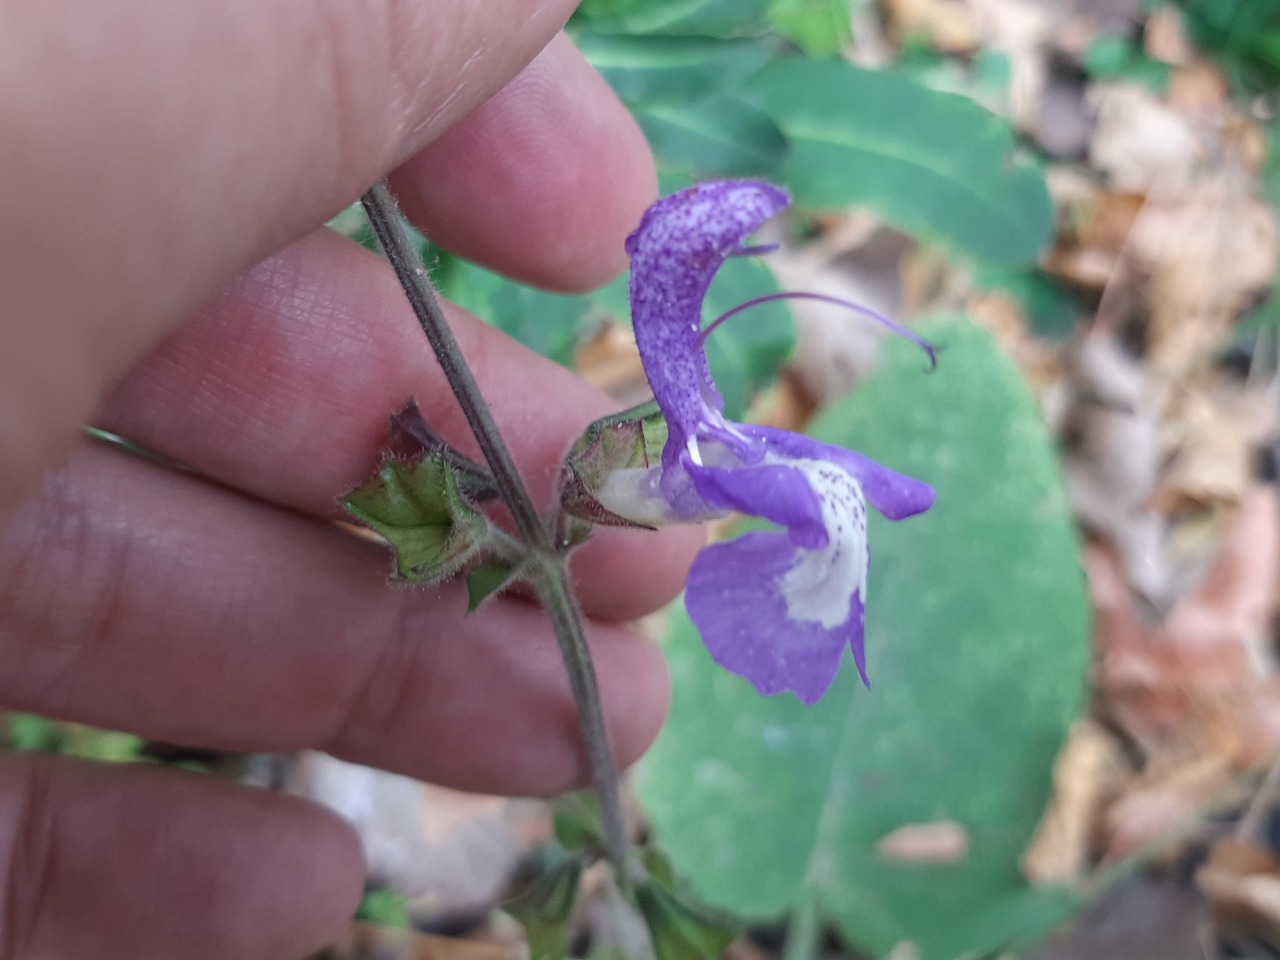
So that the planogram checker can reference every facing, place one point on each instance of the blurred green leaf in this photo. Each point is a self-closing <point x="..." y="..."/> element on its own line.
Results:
<point x="681" y="930"/>
<point x="935" y="164"/>
<point x="107" y="746"/>
<point x="545" y="910"/>
<point x="978" y="642"/>
<point x="821" y="28"/>
<point x="1243" y="35"/>
<point x="672" y="70"/>
<point x="717" y="136"/>
<point x="386" y="908"/>
<point x="1052" y="311"/>
<point x="747" y="352"/>
<point x="578" y="823"/>
<point x="547" y="323"/>
<point x="712" y="18"/>
<point x="30" y="732"/>
<point x="1119" y="58"/>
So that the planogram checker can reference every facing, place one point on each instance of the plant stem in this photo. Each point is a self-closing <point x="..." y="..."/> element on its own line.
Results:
<point x="548" y="569"/>
<point x="803" y="931"/>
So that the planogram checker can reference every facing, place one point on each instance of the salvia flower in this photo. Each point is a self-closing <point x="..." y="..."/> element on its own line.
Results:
<point x="776" y="607"/>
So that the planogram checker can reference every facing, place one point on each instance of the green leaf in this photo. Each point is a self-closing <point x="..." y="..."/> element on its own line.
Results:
<point x="485" y="580"/>
<point x="934" y="164"/>
<point x="1052" y="311"/>
<point x="27" y="731"/>
<point x="644" y="71"/>
<point x="417" y="506"/>
<point x="386" y="908"/>
<point x="821" y="28"/>
<point x="1119" y="58"/>
<point x="718" y="136"/>
<point x="978" y="643"/>
<point x="578" y="822"/>
<point x="107" y="746"/>
<point x="1244" y="36"/>
<point x="545" y="910"/>
<point x="680" y="930"/>
<point x="547" y="323"/>
<point x="712" y="18"/>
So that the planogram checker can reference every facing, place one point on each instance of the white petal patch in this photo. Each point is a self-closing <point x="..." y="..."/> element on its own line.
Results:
<point x="821" y="585"/>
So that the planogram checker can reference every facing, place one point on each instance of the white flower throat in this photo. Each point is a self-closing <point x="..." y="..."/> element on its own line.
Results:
<point x="822" y="584"/>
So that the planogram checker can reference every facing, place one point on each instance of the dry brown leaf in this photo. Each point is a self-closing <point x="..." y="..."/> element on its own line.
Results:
<point x="1088" y="773"/>
<point x="942" y="841"/>
<point x="1160" y="809"/>
<point x="1199" y="90"/>
<point x="1242" y="881"/>
<point x="610" y="361"/>
<point x="1112" y="458"/>
<point x="1164" y="37"/>
<point x="365" y="941"/>
<point x="1141" y="143"/>
<point x="1202" y="683"/>
<point x="1021" y="30"/>
<point x="836" y="348"/>
<point x="948" y="26"/>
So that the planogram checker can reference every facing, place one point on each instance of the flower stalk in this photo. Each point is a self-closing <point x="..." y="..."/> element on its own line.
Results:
<point x="547" y="567"/>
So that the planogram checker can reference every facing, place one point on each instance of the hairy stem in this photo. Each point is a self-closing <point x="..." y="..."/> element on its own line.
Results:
<point x="549" y="571"/>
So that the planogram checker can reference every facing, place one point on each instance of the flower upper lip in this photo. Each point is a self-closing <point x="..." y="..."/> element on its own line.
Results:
<point x="777" y="607"/>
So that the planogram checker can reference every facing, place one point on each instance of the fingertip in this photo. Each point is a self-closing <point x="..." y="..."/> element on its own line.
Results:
<point x="543" y="182"/>
<point x="128" y="861"/>
<point x="625" y="574"/>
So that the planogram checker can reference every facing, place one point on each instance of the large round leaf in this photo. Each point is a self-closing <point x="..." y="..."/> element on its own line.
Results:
<point x="978" y="645"/>
<point x="935" y="164"/>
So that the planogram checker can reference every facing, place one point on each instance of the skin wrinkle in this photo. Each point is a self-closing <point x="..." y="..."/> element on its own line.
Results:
<point x="241" y="688"/>
<point x="31" y="858"/>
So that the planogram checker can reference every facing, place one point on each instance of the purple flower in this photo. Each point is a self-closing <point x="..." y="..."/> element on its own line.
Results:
<point x="779" y="607"/>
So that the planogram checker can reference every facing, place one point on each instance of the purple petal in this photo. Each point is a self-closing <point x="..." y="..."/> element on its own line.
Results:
<point x="736" y="599"/>
<point x="779" y="494"/>
<point x="680" y="244"/>
<point x="894" y="494"/>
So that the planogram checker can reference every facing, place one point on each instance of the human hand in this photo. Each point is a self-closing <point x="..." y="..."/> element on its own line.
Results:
<point x="153" y="151"/>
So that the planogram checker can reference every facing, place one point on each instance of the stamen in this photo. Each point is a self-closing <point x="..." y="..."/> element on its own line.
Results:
<point x="857" y="308"/>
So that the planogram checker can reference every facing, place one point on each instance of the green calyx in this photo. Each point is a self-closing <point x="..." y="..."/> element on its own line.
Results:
<point x="630" y="440"/>
<point x="419" y="507"/>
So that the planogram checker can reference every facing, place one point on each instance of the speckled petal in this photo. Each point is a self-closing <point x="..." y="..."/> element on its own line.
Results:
<point x="893" y="494"/>
<point x="736" y="600"/>
<point x="680" y="244"/>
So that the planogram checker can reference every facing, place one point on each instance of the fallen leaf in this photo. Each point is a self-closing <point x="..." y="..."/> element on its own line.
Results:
<point x="364" y="941"/>
<point x="1088" y="774"/>
<point x="1242" y="881"/>
<point x="943" y="841"/>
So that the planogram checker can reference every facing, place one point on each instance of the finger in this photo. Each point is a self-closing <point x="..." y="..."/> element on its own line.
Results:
<point x="543" y="182"/>
<point x="130" y="863"/>
<point x="140" y="599"/>
<point x="282" y="386"/>
<point x="154" y="149"/>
